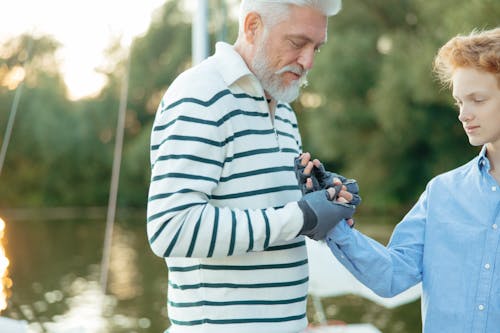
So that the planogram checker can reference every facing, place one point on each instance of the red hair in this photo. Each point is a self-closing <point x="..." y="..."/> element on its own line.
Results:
<point x="479" y="50"/>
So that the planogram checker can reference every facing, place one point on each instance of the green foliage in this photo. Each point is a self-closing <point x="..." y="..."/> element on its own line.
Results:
<point x="383" y="118"/>
<point x="61" y="152"/>
<point x="159" y="56"/>
<point x="372" y="111"/>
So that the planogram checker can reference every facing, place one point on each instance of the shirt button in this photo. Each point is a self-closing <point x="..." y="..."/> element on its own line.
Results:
<point x="487" y="266"/>
<point x="480" y="307"/>
<point x="494" y="188"/>
<point x="494" y="226"/>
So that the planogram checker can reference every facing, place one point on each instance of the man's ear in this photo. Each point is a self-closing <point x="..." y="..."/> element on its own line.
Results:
<point x="252" y="26"/>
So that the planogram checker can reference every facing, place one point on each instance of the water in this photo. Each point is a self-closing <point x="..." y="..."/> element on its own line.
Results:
<point x="55" y="268"/>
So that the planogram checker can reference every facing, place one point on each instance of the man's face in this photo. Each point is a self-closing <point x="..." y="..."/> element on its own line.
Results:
<point x="285" y="53"/>
<point x="478" y="97"/>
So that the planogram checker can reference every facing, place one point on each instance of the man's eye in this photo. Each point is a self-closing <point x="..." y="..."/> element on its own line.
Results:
<point x="295" y="44"/>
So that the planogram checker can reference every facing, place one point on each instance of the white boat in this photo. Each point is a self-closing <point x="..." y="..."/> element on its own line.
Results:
<point x="8" y="325"/>
<point x="350" y="328"/>
<point x="329" y="278"/>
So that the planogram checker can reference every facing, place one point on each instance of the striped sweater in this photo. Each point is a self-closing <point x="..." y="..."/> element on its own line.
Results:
<point x="222" y="204"/>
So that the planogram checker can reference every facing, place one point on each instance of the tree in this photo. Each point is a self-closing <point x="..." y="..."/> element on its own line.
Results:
<point x="380" y="116"/>
<point x="372" y="111"/>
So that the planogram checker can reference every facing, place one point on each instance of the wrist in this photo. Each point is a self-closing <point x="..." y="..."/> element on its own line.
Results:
<point x="310" y="219"/>
<point x="340" y="231"/>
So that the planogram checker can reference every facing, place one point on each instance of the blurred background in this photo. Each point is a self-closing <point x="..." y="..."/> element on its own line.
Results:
<point x="372" y="111"/>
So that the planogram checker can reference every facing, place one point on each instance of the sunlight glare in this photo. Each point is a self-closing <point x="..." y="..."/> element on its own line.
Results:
<point x="6" y="282"/>
<point x="13" y="78"/>
<point x="84" y="28"/>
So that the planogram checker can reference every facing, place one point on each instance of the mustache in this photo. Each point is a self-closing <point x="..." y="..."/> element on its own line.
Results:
<point x="292" y="68"/>
<point x="296" y="69"/>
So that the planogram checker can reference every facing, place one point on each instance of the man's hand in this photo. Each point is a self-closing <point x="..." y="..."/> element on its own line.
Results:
<point x="312" y="176"/>
<point x="327" y="179"/>
<point x="321" y="214"/>
<point x="303" y="172"/>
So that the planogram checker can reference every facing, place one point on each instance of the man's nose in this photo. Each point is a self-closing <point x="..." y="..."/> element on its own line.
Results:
<point x="306" y="58"/>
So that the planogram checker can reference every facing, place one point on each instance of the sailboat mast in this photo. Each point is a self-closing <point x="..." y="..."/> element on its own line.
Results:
<point x="199" y="32"/>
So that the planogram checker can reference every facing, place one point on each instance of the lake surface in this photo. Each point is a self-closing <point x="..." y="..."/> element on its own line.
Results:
<point x="55" y="267"/>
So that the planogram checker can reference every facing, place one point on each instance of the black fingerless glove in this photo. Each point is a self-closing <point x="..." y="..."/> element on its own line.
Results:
<point x="321" y="214"/>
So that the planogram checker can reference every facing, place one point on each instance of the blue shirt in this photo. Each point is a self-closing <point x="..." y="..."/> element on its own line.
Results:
<point x="449" y="241"/>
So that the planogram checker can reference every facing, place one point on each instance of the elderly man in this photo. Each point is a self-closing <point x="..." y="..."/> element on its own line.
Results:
<point x="224" y="206"/>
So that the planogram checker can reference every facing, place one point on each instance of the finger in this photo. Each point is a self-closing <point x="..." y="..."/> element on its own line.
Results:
<point x="350" y="222"/>
<point x="309" y="184"/>
<point x="308" y="168"/>
<point x="317" y="163"/>
<point x="331" y="193"/>
<point x="342" y="200"/>
<point x="345" y="195"/>
<point x="336" y="181"/>
<point x="305" y="158"/>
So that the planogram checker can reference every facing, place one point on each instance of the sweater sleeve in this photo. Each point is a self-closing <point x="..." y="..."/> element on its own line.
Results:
<point x="188" y="150"/>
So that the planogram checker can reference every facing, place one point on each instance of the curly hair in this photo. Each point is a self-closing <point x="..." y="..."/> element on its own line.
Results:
<point x="479" y="50"/>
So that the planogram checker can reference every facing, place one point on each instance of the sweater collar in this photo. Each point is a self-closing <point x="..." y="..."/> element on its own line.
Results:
<point x="233" y="69"/>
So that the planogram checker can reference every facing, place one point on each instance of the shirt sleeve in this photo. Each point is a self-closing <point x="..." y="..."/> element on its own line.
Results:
<point x="188" y="152"/>
<point x="387" y="270"/>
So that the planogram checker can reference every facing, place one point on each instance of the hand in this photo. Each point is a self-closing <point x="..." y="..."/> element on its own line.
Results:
<point x="327" y="179"/>
<point x="345" y="197"/>
<point x="322" y="214"/>
<point x="312" y="176"/>
<point x="303" y="168"/>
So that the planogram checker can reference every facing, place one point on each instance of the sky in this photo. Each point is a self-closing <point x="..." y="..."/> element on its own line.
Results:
<point x="85" y="28"/>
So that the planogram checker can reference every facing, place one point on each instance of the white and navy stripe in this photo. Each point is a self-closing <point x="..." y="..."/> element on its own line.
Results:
<point x="221" y="206"/>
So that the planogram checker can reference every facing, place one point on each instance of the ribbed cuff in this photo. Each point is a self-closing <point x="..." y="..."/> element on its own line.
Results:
<point x="310" y="219"/>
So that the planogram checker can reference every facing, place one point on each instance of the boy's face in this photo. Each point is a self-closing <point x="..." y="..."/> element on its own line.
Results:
<point x="478" y="97"/>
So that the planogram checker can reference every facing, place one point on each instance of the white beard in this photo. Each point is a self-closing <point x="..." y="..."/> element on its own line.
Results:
<point x="272" y="81"/>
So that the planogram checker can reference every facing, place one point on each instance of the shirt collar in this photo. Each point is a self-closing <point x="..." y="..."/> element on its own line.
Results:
<point x="482" y="161"/>
<point x="233" y="68"/>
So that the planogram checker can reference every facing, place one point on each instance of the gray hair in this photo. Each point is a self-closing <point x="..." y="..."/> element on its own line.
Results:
<point x="274" y="11"/>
